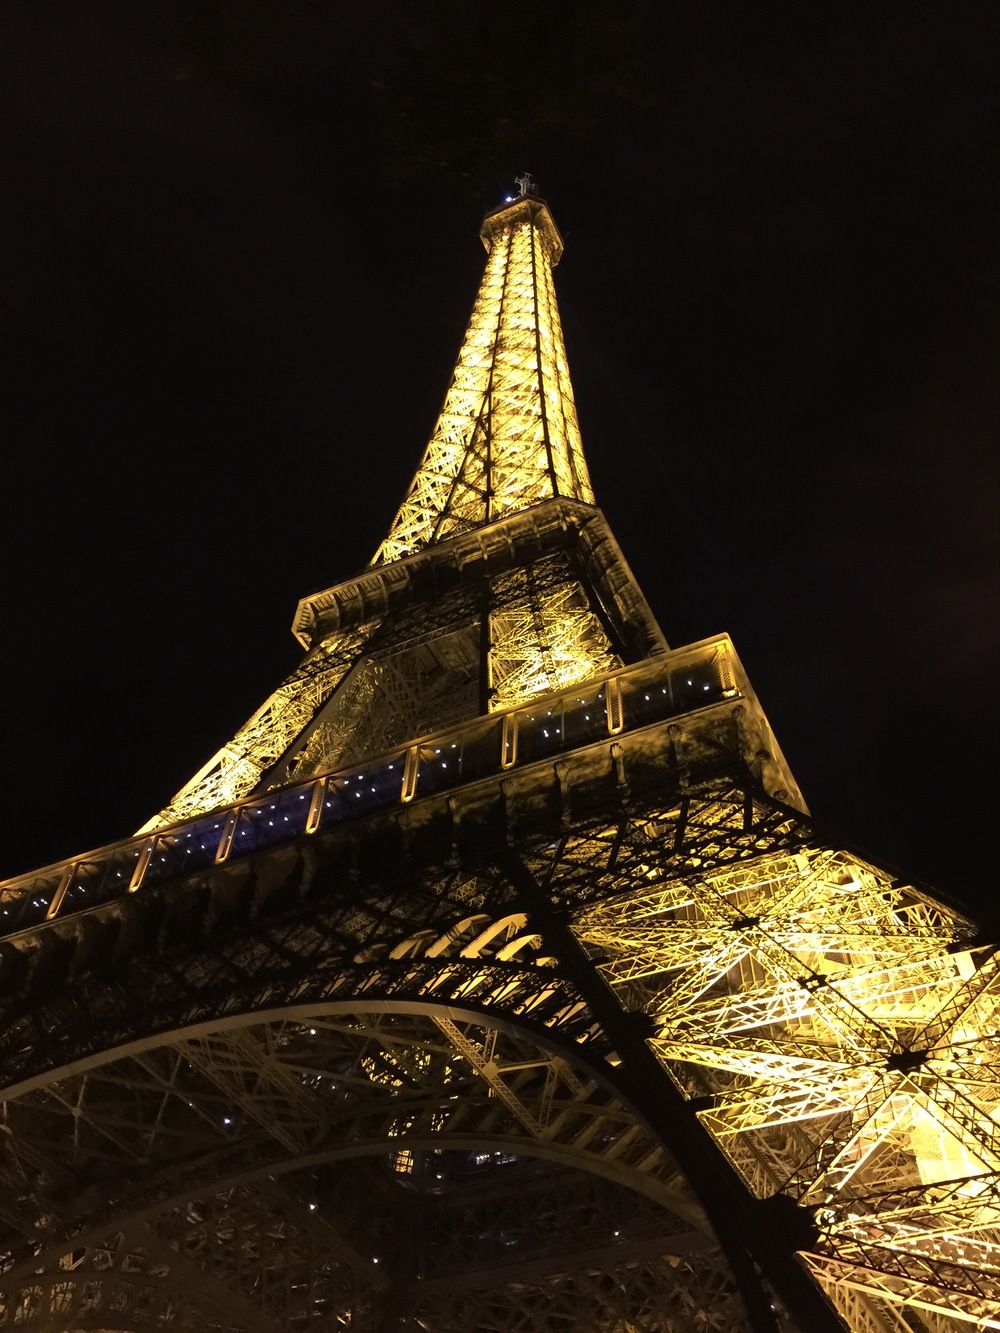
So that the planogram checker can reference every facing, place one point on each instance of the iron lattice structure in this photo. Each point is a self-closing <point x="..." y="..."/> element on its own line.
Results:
<point x="494" y="977"/>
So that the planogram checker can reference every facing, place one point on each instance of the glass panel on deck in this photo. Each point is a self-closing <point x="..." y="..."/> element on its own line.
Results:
<point x="100" y="881"/>
<point x="696" y="683"/>
<point x="580" y="716"/>
<point x="274" y="818"/>
<point x="377" y="785"/>
<point x="370" y="788"/>
<point x="481" y="751"/>
<point x="83" y="889"/>
<point x="191" y="847"/>
<point x="31" y="905"/>
<point x="647" y="697"/>
<point x="585" y="716"/>
<point x="440" y="767"/>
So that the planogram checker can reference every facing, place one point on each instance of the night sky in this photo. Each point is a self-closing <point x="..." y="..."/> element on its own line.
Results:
<point x="240" y="248"/>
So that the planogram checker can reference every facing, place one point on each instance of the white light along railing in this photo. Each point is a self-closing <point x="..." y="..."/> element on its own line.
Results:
<point x="481" y="748"/>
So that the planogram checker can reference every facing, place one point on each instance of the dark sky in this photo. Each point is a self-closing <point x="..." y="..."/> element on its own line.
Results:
<point x="239" y="250"/>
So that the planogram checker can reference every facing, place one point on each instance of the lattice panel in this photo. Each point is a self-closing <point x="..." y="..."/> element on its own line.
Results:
<point x="507" y="436"/>
<point x="544" y="634"/>
<point x="841" y="1049"/>
<point x="668" y="1295"/>
<point x="238" y="767"/>
<point x="274" y="1166"/>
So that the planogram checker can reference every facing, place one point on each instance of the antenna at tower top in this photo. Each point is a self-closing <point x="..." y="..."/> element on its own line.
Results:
<point x="525" y="185"/>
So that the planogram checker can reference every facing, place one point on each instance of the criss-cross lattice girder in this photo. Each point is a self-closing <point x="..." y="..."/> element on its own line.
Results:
<point x="493" y="976"/>
<point x="507" y="436"/>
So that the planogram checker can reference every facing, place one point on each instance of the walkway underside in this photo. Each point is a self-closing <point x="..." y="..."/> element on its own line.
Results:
<point x="348" y="1170"/>
<point x="533" y="1091"/>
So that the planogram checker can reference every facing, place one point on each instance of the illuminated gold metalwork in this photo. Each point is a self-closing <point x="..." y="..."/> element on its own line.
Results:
<point x="507" y="439"/>
<point x="237" y="769"/>
<point x="507" y="436"/>
<point x="842" y="1046"/>
<point x="493" y="977"/>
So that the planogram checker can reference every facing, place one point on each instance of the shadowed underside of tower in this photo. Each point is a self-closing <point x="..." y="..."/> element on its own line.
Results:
<point x="494" y="977"/>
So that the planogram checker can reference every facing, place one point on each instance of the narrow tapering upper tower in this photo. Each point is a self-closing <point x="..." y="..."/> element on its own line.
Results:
<point x="507" y="437"/>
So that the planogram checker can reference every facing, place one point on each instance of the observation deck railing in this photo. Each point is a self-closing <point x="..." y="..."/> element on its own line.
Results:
<point x="483" y="747"/>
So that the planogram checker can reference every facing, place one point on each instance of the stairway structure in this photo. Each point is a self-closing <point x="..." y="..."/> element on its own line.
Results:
<point x="494" y="976"/>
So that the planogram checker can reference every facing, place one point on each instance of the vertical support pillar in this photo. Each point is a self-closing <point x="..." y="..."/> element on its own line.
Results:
<point x="411" y="769"/>
<point x="142" y="865"/>
<point x="226" y="840"/>
<point x="61" y="890"/>
<point x="508" y="741"/>
<point x="616" y="715"/>
<point x="485" y="652"/>
<point x="316" y="806"/>
<point x="726" y="670"/>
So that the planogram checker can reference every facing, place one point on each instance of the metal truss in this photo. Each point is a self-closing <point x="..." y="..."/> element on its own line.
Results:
<point x="839" y="1045"/>
<point x="336" y="1153"/>
<point x="821" y="1021"/>
<point x="541" y="635"/>
<point x="389" y="699"/>
<point x="544" y="635"/>
<point x="493" y="977"/>
<point x="213" y="1137"/>
<point x="238" y="767"/>
<point x="526" y="632"/>
<point x="507" y="436"/>
<point x="507" y="439"/>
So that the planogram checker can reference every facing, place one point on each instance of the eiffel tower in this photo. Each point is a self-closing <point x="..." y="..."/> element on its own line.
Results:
<point x="494" y="976"/>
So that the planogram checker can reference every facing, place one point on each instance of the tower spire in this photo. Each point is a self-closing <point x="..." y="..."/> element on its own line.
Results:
<point x="507" y="436"/>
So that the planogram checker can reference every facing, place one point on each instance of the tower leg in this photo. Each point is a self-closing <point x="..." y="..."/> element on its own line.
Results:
<point x="736" y="1217"/>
